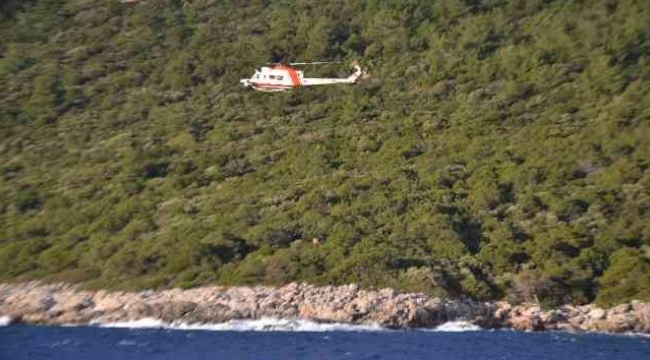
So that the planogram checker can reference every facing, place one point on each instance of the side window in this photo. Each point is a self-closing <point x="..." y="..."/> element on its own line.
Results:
<point x="271" y="76"/>
<point x="257" y="76"/>
<point x="280" y="77"/>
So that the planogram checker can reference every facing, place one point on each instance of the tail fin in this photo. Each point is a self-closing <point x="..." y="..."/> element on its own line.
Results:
<point x="357" y="73"/>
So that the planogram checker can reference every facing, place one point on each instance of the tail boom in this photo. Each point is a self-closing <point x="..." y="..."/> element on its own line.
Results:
<point x="328" y="81"/>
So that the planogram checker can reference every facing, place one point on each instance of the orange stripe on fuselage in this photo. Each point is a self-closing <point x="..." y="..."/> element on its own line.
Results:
<point x="293" y="75"/>
<point x="295" y="79"/>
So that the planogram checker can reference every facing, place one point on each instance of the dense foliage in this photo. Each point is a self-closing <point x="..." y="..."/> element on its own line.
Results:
<point x="497" y="149"/>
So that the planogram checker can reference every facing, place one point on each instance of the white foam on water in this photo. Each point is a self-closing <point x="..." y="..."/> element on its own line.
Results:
<point x="5" y="320"/>
<point x="275" y="324"/>
<point x="125" y="342"/>
<point x="144" y="323"/>
<point x="456" y="326"/>
<point x="624" y="334"/>
<point x="263" y="324"/>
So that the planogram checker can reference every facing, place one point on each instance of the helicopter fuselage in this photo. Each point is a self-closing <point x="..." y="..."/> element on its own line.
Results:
<point x="282" y="77"/>
<point x="277" y="78"/>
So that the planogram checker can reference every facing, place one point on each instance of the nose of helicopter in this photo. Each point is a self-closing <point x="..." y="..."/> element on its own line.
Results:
<point x="245" y="82"/>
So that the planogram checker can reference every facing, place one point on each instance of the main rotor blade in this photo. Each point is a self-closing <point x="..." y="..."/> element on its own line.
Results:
<point x="315" y="62"/>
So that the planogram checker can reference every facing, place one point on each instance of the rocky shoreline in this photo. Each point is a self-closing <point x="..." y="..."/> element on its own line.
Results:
<point x="58" y="304"/>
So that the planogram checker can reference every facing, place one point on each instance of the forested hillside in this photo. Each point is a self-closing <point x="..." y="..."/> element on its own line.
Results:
<point x="497" y="149"/>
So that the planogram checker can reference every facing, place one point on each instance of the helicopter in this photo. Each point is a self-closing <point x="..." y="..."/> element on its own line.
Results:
<point x="281" y="77"/>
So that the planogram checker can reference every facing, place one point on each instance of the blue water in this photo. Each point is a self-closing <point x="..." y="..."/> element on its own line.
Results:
<point x="34" y="343"/>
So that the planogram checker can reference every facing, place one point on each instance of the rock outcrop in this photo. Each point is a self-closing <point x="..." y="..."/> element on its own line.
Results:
<point x="36" y="303"/>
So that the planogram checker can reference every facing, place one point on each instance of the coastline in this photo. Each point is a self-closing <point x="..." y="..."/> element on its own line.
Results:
<point x="65" y="304"/>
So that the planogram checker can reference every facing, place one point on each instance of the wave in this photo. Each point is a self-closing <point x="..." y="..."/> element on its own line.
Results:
<point x="5" y="320"/>
<point x="456" y="326"/>
<point x="263" y="324"/>
<point x="274" y="324"/>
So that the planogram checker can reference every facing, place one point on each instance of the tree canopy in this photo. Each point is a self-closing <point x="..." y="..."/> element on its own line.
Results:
<point x="497" y="149"/>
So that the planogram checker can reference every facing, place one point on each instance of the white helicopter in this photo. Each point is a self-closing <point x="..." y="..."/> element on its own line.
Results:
<point x="279" y="77"/>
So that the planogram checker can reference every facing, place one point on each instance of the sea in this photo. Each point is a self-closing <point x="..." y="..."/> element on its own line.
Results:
<point x="272" y="339"/>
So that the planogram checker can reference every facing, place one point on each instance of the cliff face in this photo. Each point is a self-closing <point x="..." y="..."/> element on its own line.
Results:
<point x="57" y="304"/>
